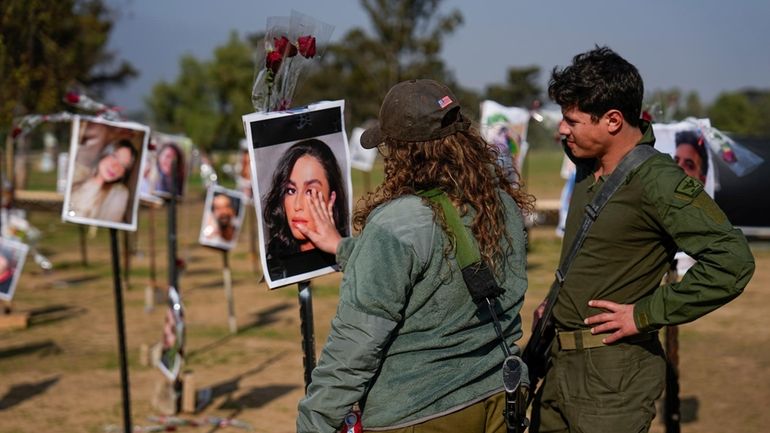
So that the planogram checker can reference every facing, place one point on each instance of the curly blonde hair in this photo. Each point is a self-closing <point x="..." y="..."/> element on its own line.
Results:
<point x="462" y="165"/>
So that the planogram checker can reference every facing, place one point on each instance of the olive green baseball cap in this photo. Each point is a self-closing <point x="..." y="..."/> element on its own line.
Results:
<point x="416" y="110"/>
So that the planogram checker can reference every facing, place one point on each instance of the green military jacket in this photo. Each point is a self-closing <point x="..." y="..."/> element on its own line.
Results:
<point x="629" y="247"/>
<point x="407" y="340"/>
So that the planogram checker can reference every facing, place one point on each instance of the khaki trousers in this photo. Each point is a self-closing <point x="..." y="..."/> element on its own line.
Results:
<point x="603" y="389"/>
<point x="483" y="417"/>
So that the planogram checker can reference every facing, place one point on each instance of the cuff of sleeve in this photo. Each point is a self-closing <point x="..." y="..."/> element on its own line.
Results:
<point x="344" y="249"/>
<point x="643" y="318"/>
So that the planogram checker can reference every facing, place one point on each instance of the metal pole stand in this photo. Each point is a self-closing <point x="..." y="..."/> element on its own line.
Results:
<point x="306" y="326"/>
<point x="121" y="331"/>
<point x="228" y="281"/>
<point x="151" y="290"/>
<point x="671" y="403"/>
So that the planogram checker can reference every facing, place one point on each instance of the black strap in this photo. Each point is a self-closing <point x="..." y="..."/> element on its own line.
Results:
<point x="537" y="348"/>
<point x="632" y="160"/>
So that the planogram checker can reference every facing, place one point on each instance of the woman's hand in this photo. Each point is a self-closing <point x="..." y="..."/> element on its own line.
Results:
<point x="325" y="237"/>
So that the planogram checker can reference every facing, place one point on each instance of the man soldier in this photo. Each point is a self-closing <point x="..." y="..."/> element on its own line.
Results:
<point x="607" y="366"/>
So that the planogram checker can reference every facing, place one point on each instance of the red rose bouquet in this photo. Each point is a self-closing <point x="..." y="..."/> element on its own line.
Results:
<point x="290" y="44"/>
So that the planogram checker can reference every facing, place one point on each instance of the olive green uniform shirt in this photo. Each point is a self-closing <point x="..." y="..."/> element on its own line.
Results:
<point x="629" y="247"/>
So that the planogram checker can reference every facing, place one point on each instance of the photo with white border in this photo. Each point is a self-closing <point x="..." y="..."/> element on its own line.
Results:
<point x="106" y="159"/>
<point x="294" y="153"/>
<point x="223" y="214"/>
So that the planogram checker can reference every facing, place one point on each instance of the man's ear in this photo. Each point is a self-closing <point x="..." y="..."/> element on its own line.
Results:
<point x="614" y="119"/>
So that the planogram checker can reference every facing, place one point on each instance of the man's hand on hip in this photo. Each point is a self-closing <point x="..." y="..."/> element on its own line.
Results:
<point x="618" y="321"/>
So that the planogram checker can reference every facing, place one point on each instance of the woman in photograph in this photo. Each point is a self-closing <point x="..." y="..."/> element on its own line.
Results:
<point x="309" y="166"/>
<point x="170" y="179"/>
<point x="100" y="192"/>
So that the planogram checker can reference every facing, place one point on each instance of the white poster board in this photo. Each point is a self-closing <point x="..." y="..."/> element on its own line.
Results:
<point x="506" y="129"/>
<point x="295" y="153"/>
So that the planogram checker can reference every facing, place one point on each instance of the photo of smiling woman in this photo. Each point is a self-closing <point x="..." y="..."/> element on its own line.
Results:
<point x="307" y="167"/>
<point x="103" y="176"/>
<point x="101" y="193"/>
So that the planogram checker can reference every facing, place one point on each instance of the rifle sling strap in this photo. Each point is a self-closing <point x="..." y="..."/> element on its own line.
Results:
<point x="478" y="278"/>
<point x="633" y="159"/>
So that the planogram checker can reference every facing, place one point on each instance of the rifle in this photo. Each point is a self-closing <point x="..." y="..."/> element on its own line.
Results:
<point x="537" y="352"/>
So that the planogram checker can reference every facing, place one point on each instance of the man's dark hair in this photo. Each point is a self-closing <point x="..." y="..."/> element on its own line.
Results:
<point x="598" y="81"/>
<point x="694" y="139"/>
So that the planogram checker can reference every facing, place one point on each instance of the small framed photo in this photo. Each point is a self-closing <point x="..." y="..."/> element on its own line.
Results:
<point x="293" y="154"/>
<point x="12" y="256"/>
<point x="222" y="218"/>
<point x="106" y="159"/>
<point x="172" y="344"/>
<point x="167" y="166"/>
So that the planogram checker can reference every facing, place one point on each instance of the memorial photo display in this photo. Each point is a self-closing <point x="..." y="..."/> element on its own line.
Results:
<point x="295" y="154"/>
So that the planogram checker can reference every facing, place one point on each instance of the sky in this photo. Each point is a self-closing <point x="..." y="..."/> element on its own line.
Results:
<point x="709" y="46"/>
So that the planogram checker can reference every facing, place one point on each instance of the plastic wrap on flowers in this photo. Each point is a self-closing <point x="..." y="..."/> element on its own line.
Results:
<point x="263" y="94"/>
<point x="24" y="125"/>
<point x="290" y="44"/>
<point x="738" y="158"/>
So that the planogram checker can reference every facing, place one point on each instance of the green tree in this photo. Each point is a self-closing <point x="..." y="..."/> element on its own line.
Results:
<point x="745" y="112"/>
<point x="208" y="97"/>
<point x="406" y="44"/>
<point x="520" y="89"/>
<point x="46" y="47"/>
<point x="671" y="105"/>
<point x="693" y="107"/>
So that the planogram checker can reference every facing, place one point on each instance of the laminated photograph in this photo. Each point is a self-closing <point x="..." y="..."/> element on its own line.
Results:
<point x="167" y="166"/>
<point x="222" y="218"/>
<point x="506" y="129"/>
<point x="172" y="344"/>
<point x="106" y="158"/>
<point x="12" y="256"/>
<point x="295" y="154"/>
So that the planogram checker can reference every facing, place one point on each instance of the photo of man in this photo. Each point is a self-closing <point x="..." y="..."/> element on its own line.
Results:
<point x="688" y="146"/>
<point x="691" y="154"/>
<point x="222" y="218"/>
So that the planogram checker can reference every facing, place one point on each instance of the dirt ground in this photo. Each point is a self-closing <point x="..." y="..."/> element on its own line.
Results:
<point x="61" y="374"/>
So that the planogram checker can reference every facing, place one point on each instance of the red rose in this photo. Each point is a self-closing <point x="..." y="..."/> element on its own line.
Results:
<point x="72" y="97"/>
<point x="16" y="132"/>
<point x="306" y="46"/>
<point x="273" y="61"/>
<point x="283" y="45"/>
